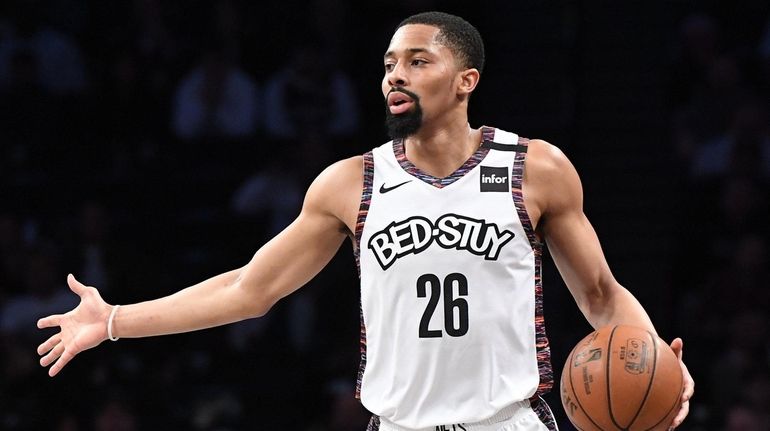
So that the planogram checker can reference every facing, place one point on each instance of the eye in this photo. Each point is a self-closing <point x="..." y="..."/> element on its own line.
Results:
<point x="418" y="62"/>
<point x="389" y="67"/>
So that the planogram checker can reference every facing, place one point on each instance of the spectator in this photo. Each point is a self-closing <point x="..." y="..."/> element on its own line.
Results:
<point x="710" y="111"/>
<point x="742" y="149"/>
<point x="310" y="94"/>
<point x="273" y="191"/>
<point x="216" y="99"/>
<point x="61" y="67"/>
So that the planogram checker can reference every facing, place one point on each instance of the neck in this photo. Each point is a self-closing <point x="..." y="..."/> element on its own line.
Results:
<point x="440" y="149"/>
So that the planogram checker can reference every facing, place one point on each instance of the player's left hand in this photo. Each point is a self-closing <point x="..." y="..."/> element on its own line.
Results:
<point x="689" y="385"/>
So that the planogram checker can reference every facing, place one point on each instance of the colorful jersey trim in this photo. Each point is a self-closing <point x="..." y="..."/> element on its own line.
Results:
<point x="411" y="169"/>
<point x="543" y="412"/>
<point x="363" y="211"/>
<point x="541" y="339"/>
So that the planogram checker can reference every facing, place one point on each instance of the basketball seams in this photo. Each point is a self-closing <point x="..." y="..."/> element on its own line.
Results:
<point x="669" y="410"/>
<point x="607" y="369"/>
<point x="676" y="402"/>
<point x="648" y="400"/>
<point x="652" y="378"/>
<point x="577" y="398"/>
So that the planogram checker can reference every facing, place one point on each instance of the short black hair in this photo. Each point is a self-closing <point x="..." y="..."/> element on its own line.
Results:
<point x="456" y="34"/>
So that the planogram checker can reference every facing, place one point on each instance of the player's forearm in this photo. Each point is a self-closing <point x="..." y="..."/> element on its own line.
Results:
<point x="615" y="305"/>
<point x="213" y="302"/>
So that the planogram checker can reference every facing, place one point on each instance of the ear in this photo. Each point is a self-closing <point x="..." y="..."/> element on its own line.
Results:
<point x="467" y="81"/>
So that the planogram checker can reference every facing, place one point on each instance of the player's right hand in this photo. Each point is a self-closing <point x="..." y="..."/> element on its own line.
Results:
<point x="80" y="329"/>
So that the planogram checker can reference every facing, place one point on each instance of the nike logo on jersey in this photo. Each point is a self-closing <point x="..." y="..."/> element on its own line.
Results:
<point x="450" y="231"/>
<point x="384" y="189"/>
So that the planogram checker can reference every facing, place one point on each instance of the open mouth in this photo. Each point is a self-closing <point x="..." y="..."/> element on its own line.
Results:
<point x="399" y="103"/>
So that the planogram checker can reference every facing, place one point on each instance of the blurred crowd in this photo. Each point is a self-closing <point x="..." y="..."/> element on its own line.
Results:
<point x="147" y="145"/>
<point x="720" y="102"/>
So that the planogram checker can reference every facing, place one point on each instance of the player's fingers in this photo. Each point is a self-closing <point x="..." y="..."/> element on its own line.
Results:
<point x="681" y="415"/>
<point x="58" y="365"/>
<point x="49" y="344"/>
<point x="55" y="353"/>
<point x="47" y="322"/>
<point x="689" y="384"/>
<point x="677" y="346"/>
<point x="76" y="286"/>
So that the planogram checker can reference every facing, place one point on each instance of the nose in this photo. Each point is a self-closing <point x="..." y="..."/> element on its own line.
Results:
<point x="397" y="77"/>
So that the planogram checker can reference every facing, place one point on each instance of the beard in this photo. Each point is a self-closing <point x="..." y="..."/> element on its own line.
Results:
<point x="401" y="126"/>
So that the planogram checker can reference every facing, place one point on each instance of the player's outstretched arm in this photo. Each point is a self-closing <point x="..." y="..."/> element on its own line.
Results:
<point x="280" y="267"/>
<point x="576" y="251"/>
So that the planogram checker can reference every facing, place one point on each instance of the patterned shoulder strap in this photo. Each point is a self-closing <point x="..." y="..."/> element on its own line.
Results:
<point x="504" y="141"/>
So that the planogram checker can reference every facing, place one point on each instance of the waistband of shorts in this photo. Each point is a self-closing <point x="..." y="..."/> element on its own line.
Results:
<point x="504" y="414"/>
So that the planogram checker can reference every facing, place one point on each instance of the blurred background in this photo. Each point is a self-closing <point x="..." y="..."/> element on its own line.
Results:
<point x="146" y="145"/>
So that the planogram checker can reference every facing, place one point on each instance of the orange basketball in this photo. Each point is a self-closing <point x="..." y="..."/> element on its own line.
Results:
<point x="621" y="378"/>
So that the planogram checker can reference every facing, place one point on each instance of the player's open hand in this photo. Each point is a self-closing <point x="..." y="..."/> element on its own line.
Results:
<point x="689" y="385"/>
<point x="80" y="329"/>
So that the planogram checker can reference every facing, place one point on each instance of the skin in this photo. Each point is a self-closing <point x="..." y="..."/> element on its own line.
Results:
<point x="414" y="60"/>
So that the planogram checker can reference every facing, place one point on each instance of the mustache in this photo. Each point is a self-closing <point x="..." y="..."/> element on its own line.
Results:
<point x="414" y="96"/>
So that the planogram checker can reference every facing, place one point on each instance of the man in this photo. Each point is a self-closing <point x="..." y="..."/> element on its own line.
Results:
<point x="447" y="226"/>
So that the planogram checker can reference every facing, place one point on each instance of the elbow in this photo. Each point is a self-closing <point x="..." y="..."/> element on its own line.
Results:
<point x="592" y="300"/>
<point x="253" y="300"/>
<point x="257" y="308"/>
<point x="258" y="304"/>
<point x="596" y="300"/>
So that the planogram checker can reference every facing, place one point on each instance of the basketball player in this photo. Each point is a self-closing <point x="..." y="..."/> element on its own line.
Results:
<point x="448" y="224"/>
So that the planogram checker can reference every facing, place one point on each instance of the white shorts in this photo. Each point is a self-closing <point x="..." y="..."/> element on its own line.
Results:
<point x="516" y="417"/>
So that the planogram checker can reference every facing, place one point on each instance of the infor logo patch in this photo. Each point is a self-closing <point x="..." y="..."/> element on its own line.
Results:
<point x="494" y="179"/>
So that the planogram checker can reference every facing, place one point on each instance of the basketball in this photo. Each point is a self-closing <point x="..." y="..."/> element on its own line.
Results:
<point x="621" y="378"/>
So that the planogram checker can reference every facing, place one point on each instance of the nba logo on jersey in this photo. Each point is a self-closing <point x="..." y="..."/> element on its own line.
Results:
<point x="494" y="179"/>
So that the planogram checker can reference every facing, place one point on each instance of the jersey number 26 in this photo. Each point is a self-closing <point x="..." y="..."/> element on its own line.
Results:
<point x="452" y="328"/>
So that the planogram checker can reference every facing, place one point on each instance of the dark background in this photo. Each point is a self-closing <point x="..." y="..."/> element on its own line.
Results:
<point x="115" y="166"/>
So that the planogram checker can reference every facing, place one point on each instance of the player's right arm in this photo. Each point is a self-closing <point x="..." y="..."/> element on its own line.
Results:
<point x="280" y="267"/>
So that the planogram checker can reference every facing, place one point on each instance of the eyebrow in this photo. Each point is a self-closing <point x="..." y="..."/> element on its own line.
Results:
<point x="409" y="50"/>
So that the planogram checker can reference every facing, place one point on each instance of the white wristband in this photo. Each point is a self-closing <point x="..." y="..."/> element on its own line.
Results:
<point x="109" y="323"/>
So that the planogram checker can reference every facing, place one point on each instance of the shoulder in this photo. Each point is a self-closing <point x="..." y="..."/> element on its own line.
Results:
<point x="546" y="159"/>
<point x="342" y="171"/>
<point x="551" y="177"/>
<point x="336" y="191"/>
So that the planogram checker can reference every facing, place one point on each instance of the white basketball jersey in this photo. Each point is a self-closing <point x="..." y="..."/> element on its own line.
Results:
<point x="452" y="327"/>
